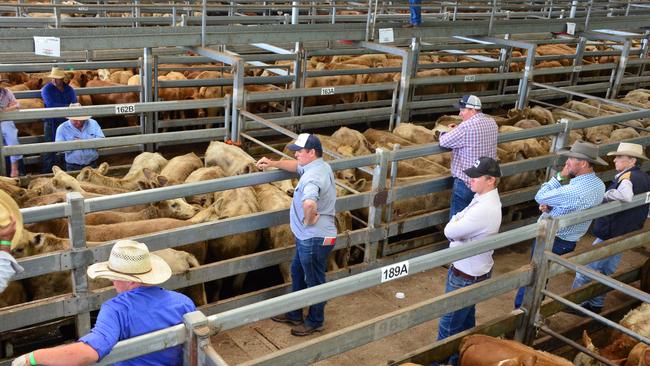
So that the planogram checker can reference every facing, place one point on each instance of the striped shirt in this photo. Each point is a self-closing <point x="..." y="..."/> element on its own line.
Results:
<point x="582" y="192"/>
<point x="472" y="139"/>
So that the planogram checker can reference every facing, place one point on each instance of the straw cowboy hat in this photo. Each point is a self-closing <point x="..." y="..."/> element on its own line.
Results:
<point x="628" y="149"/>
<point x="8" y="208"/>
<point x="57" y="73"/>
<point x="585" y="151"/>
<point x="77" y="118"/>
<point x="131" y="261"/>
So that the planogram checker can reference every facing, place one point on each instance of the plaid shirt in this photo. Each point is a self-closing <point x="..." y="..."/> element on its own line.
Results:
<point x="469" y="141"/>
<point x="582" y="192"/>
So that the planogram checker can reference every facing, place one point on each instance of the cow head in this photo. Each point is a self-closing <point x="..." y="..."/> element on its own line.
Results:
<point x="176" y="208"/>
<point x="62" y="182"/>
<point x="38" y="243"/>
<point x="85" y="174"/>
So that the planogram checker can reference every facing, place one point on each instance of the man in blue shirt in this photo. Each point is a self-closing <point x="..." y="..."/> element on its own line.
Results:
<point x="311" y="218"/>
<point x="79" y="128"/>
<point x="138" y="308"/>
<point x="585" y="190"/>
<point x="56" y="93"/>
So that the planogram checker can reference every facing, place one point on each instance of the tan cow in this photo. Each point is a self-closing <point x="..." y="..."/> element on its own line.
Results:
<point x="232" y="159"/>
<point x="201" y="174"/>
<point x="152" y="161"/>
<point x="132" y="183"/>
<point x="180" y="167"/>
<point x="414" y="133"/>
<point x="482" y="350"/>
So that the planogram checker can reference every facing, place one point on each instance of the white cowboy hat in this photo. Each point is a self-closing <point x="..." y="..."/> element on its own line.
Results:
<point x="8" y="208"/>
<point x="629" y="149"/>
<point x="77" y="118"/>
<point x="57" y="73"/>
<point x="131" y="261"/>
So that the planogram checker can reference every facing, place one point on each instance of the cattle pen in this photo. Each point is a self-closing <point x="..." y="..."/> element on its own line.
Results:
<point x="249" y="45"/>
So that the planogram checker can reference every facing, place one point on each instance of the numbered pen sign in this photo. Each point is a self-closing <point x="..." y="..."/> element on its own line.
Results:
<point x="125" y="108"/>
<point x="394" y="271"/>
<point x="327" y="91"/>
<point x="386" y="35"/>
<point x="47" y="46"/>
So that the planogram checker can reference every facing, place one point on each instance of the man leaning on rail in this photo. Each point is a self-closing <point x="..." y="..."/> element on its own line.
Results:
<point x="140" y="307"/>
<point x="585" y="190"/>
<point x="629" y="181"/>
<point x="481" y="218"/>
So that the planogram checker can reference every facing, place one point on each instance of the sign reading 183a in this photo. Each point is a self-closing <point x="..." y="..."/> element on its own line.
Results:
<point x="124" y="108"/>
<point x="394" y="271"/>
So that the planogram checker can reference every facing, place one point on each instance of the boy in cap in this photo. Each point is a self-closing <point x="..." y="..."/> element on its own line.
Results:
<point x="312" y="222"/>
<point x="79" y="128"/>
<point x="56" y="93"/>
<point x="476" y="136"/>
<point x="140" y="307"/>
<point x="480" y="219"/>
<point x="585" y="190"/>
<point x="629" y="181"/>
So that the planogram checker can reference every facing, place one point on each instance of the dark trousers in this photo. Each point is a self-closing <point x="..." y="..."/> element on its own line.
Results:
<point x="308" y="270"/>
<point x="560" y="247"/>
<point x="69" y="167"/>
<point x="50" y="159"/>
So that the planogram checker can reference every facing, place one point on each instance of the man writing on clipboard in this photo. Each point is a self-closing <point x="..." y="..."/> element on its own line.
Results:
<point x="312" y="222"/>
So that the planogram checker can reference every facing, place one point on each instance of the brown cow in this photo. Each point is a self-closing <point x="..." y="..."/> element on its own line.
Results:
<point x="482" y="350"/>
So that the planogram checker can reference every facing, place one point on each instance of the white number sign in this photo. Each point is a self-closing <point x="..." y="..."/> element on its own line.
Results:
<point x="327" y="91"/>
<point x="394" y="271"/>
<point x="124" y="108"/>
<point x="470" y="78"/>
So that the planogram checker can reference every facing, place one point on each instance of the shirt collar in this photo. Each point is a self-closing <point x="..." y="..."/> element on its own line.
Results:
<point x="313" y="163"/>
<point x="587" y="176"/>
<point x="487" y="195"/>
<point x="623" y="172"/>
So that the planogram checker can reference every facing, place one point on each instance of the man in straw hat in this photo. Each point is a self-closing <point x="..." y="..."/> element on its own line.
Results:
<point x="56" y="93"/>
<point x="629" y="181"/>
<point x="584" y="190"/>
<point x="79" y="128"/>
<point x="11" y="229"/>
<point x="140" y="307"/>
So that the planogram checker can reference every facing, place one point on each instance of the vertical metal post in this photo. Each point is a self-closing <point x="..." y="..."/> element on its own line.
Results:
<point x="558" y="142"/>
<point x="612" y="92"/>
<point x="504" y="59"/>
<point x="368" y="20"/>
<point x="149" y="63"/>
<point x="298" y="78"/>
<point x="295" y="12"/>
<point x="525" y="332"/>
<point x="204" y="13"/>
<point x="57" y="14"/>
<point x="136" y="12"/>
<point x="590" y="4"/>
<point x="333" y="12"/>
<point x="380" y="194"/>
<point x="3" y="166"/>
<point x="226" y="115"/>
<point x="493" y="10"/>
<point x="198" y="337"/>
<point x="403" y="110"/>
<point x="524" y="86"/>
<point x="574" y="6"/>
<point x="644" y="53"/>
<point x="577" y="62"/>
<point x="77" y="234"/>
<point x="374" y="22"/>
<point x="237" y="97"/>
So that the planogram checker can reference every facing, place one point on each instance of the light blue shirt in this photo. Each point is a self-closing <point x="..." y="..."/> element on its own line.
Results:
<point x="8" y="268"/>
<point x="582" y="192"/>
<point x="317" y="184"/>
<point x="10" y="137"/>
<point x="90" y="130"/>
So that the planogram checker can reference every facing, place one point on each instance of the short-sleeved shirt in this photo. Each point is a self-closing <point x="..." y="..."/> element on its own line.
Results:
<point x="136" y="312"/>
<point x="473" y="138"/>
<point x="9" y="130"/>
<point x="90" y="130"/>
<point x="316" y="183"/>
<point x="53" y="97"/>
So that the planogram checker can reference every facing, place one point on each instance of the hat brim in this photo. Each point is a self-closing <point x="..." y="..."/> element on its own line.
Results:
<point x="14" y="210"/>
<point x="458" y="105"/>
<point x="475" y="173"/>
<point x="294" y="147"/>
<point x="627" y="153"/>
<point x="79" y="118"/>
<point x="160" y="272"/>
<point x="571" y="154"/>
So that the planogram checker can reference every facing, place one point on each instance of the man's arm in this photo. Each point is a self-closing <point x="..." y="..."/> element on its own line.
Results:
<point x="453" y="139"/>
<point x="288" y="165"/>
<point x="98" y="130"/>
<point x="76" y="354"/>
<point x="310" y="209"/>
<point x="472" y="222"/>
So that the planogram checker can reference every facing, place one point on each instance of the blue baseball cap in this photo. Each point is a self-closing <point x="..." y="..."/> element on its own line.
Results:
<point x="306" y="141"/>
<point x="468" y="102"/>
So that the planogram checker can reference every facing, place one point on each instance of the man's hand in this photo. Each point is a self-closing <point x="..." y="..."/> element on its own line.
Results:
<point x="544" y="208"/>
<point x="20" y="361"/>
<point x="565" y="172"/>
<point x="264" y="163"/>
<point x="7" y="232"/>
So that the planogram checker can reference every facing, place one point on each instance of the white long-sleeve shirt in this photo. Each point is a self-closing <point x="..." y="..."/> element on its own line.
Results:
<point x="624" y="192"/>
<point x="8" y="268"/>
<point x="480" y="219"/>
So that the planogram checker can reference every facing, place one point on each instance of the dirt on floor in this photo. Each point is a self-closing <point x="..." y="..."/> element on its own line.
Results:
<point x="263" y="337"/>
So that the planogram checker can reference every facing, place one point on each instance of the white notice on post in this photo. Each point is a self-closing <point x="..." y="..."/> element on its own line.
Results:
<point x="386" y="35"/>
<point x="47" y="46"/>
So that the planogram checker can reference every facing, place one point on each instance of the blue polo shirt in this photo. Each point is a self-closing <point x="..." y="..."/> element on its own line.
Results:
<point x="53" y="97"/>
<point x="90" y="130"/>
<point x="136" y="312"/>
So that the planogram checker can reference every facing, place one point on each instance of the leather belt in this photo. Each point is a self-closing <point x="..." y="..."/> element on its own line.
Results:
<point x="459" y="273"/>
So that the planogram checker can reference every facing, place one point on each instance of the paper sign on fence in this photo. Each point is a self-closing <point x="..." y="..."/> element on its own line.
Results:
<point x="47" y="46"/>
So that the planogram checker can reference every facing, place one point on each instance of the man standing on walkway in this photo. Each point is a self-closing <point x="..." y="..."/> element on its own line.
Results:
<point x="56" y="93"/>
<point x="480" y="219"/>
<point x="476" y="136"/>
<point x="585" y="190"/>
<point x="629" y="181"/>
<point x="312" y="223"/>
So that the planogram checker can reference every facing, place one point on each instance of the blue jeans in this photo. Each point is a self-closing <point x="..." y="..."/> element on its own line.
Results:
<point x="459" y="320"/>
<point x="606" y="266"/>
<point x="461" y="196"/>
<point x="416" y="12"/>
<point x="69" y="167"/>
<point x="560" y="247"/>
<point x="308" y="270"/>
<point x="50" y="159"/>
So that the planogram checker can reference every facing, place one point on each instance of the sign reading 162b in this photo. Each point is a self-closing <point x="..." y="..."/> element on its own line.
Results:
<point x="394" y="271"/>
<point x="124" y="108"/>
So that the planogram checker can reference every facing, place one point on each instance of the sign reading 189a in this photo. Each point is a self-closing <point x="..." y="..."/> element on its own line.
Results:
<point x="394" y="271"/>
<point x="124" y="108"/>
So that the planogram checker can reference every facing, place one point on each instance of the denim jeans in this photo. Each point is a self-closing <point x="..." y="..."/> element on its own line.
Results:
<point x="308" y="270"/>
<point x="21" y="167"/>
<point x="50" y="159"/>
<point x="606" y="266"/>
<point x="69" y="167"/>
<point x="459" y="320"/>
<point x="461" y="196"/>
<point x="560" y="247"/>
<point x="416" y="11"/>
